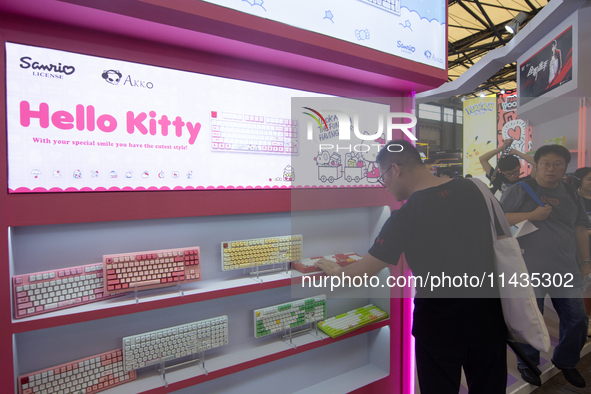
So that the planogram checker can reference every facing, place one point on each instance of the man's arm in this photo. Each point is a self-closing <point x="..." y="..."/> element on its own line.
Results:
<point x="367" y="265"/>
<point x="582" y="241"/>
<point x="540" y="213"/>
<point x="528" y="158"/>
<point x="489" y="155"/>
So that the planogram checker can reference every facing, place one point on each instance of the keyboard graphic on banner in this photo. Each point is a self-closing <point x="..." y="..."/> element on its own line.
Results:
<point x="232" y="132"/>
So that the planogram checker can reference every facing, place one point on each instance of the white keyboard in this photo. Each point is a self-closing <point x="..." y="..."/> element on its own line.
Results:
<point x="47" y="291"/>
<point x="277" y="318"/>
<point x="143" y="350"/>
<point x="253" y="133"/>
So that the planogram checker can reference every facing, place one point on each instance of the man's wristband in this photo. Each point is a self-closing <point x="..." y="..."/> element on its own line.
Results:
<point x="583" y="262"/>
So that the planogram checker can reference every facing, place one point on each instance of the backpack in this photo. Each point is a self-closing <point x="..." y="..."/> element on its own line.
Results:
<point x="534" y="185"/>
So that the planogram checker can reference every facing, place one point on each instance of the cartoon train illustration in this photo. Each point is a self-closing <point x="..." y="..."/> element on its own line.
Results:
<point x="355" y="168"/>
<point x="330" y="167"/>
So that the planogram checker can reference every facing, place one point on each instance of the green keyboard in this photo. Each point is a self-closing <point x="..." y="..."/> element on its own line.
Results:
<point x="277" y="318"/>
<point x="352" y="320"/>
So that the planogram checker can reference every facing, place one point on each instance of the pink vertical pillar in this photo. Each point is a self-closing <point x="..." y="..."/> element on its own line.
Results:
<point x="581" y="149"/>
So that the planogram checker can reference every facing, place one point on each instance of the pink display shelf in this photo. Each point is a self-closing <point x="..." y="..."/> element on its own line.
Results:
<point x="264" y="360"/>
<point x="60" y="208"/>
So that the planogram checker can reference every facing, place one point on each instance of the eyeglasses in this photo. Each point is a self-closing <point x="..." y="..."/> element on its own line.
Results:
<point x="381" y="177"/>
<point x="512" y="173"/>
<point x="547" y="165"/>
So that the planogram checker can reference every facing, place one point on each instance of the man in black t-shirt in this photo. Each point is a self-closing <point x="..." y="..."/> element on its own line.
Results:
<point x="509" y="167"/>
<point x="443" y="229"/>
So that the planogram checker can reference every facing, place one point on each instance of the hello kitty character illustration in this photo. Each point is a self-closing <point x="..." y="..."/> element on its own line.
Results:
<point x="354" y="167"/>
<point x="288" y="174"/>
<point x="330" y="167"/>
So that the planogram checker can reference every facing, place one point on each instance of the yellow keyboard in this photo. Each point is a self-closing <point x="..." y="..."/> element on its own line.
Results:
<point x="261" y="251"/>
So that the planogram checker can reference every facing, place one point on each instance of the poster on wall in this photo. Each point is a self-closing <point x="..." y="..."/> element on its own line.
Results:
<point x="509" y="125"/>
<point x="414" y="30"/>
<point x="480" y="134"/>
<point x="547" y="69"/>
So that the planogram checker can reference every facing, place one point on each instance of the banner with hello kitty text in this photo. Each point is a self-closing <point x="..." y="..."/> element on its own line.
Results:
<point x="85" y="123"/>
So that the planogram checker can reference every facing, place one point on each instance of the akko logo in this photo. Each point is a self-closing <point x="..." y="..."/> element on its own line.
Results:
<point x="430" y="56"/>
<point x="46" y="70"/>
<point x="114" y="76"/>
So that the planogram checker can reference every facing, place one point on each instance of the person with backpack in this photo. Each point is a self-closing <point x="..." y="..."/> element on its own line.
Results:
<point x="550" y="254"/>
<point x="508" y="171"/>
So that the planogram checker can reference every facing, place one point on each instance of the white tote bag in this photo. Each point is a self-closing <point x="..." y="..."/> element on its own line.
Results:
<point x="520" y="309"/>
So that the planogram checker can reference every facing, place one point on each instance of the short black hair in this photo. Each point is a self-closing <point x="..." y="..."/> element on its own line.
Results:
<point x="579" y="175"/>
<point x="556" y="149"/>
<point x="508" y="163"/>
<point x="400" y="152"/>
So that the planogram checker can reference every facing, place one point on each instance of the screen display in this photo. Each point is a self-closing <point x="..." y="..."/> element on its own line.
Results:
<point x="549" y="68"/>
<point x="411" y="29"/>
<point x="83" y="123"/>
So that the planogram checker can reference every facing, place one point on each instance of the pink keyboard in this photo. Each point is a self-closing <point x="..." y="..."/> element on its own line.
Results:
<point x="87" y="375"/>
<point x="48" y="291"/>
<point x="342" y="259"/>
<point x="149" y="270"/>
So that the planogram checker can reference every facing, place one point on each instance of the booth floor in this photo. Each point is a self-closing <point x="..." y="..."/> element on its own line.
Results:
<point x="552" y="379"/>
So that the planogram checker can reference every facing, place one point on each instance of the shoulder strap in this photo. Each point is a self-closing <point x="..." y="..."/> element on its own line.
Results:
<point x="530" y="185"/>
<point x="530" y="191"/>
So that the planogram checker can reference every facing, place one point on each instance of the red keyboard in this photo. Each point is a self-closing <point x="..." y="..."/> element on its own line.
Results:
<point x="149" y="270"/>
<point x="342" y="259"/>
<point x="87" y="375"/>
<point x="48" y="291"/>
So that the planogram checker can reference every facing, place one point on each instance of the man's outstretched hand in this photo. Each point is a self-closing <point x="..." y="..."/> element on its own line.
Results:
<point x="329" y="267"/>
